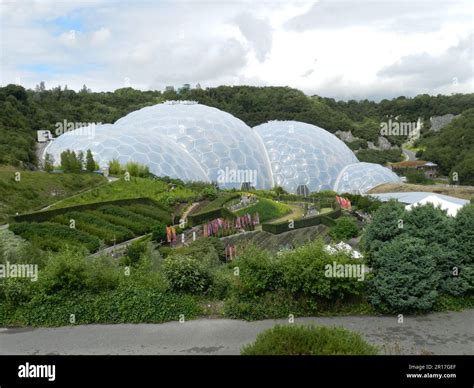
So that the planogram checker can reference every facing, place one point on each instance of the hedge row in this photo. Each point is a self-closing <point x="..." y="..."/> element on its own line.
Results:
<point x="150" y="211"/>
<point x="94" y="225"/>
<point x="128" y="305"/>
<point x="49" y="214"/>
<point x="325" y="219"/>
<point x="53" y="236"/>
<point x="199" y="218"/>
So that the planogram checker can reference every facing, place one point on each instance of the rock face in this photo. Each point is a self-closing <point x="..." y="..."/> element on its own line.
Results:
<point x="346" y="136"/>
<point x="383" y="143"/>
<point x="438" y="122"/>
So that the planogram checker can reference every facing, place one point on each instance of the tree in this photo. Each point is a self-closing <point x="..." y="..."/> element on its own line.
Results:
<point x="48" y="162"/>
<point x="386" y="225"/>
<point x="90" y="162"/>
<point x="405" y="276"/>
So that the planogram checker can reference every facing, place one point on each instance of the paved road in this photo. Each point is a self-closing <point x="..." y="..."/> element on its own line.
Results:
<point x="409" y="155"/>
<point x="439" y="333"/>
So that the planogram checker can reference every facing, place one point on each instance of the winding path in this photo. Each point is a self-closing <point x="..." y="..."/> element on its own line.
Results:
<point x="437" y="333"/>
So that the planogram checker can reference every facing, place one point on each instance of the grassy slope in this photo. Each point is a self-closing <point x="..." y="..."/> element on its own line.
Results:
<point x="121" y="189"/>
<point x="267" y="209"/>
<point x="36" y="190"/>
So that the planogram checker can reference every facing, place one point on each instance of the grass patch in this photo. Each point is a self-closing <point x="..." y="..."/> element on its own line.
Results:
<point x="267" y="209"/>
<point x="36" y="190"/>
<point x="309" y="340"/>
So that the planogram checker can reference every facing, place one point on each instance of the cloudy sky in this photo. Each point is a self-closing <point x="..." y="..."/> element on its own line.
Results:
<point x="342" y="49"/>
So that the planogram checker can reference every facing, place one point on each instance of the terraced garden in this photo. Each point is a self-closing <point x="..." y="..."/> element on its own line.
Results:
<point x="92" y="228"/>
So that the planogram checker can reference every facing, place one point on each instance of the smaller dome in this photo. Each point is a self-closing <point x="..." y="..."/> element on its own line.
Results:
<point x="358" y="178"/>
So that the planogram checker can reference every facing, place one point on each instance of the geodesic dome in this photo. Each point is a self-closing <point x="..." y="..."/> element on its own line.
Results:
<point x="303" y="154"/>
<point x="183" y="140"/>
<point x="358" y="178"/>
<point x="194" y="142"/>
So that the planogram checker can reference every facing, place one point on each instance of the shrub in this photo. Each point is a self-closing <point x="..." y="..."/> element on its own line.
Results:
<point x="114" y="167"/>
<point x="344" y="229"/>
<point x="309" y="340"/>
<point x="257" y="271"/>
<point x="186" y="274"/>
<point x="405" y="276"/>
<point x="134" y="252"/>
<point x="158" y="232"/>
<point x="66" y="271"/>
<point x="137" y="169"/>
<point x="304" y="271"/>
<point x="384" y="226"/>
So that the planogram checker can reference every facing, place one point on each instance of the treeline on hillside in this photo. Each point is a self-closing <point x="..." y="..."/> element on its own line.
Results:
<point x="24" y="111"/>
<point x="453" y="149"/>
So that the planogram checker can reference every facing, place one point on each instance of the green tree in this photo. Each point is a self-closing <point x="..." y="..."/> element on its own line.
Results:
<point x="90" y="162"/>
<point x="405" y="278"/>
<point x="48" y="162"/>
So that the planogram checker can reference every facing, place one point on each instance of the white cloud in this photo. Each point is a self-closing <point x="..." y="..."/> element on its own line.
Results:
<point x="341" y="49"/>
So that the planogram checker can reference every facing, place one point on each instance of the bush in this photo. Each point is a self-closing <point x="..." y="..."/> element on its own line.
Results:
<point x="405" y="276"/>
<point x="158" y="232"/>
<point x="309" y="340"/>
<point x="258" y="273"/>
<point x="130" y="304"/>
<point x="384" y="226"/>
<point x="134" y="252"/>
<point x="304" y="271"/>
<point x="186" y="274"/>
<point x="114" y="167"/>
<point x="344" y="229"/>
<point x="137" y="169"/>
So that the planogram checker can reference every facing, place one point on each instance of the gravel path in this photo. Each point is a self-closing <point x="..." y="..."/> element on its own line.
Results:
<point x="438" y="333"/>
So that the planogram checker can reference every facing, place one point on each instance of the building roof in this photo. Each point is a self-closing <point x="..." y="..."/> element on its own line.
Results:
<point x="417" y="196"/>
<point x="413" y="163"/>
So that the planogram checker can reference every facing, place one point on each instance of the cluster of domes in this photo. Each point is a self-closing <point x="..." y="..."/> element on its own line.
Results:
<point x="196" y="142"/>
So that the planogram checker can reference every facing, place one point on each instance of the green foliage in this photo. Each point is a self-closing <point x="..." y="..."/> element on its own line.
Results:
<point x="70" y="162"/>
<point x="186" y="274"/>
<point x="48" y="163"/>
<point x="137" y="170"/>
<point x="384" y="227"/>
<point x="284" y="226"/>
<point x="266" y="209"/>
<point x="134" y="252"/>
<point x="123" y="305"/>
<point x="91" y="165"/>
<point x="48" y="235"/>
<point x="159" y="232"/>
<point x="405" y="276"/>
<point x="418" y="177"/>
<point x="38" y="189"/>
<point x="114" y="167"/>
<point x="364" y="203"/>
<point x="344" y="229"/>
<point x="209" y="193"/>
<point x="304" y="271"/>
<point x="309" y="340"/>
<point x="453" y="148"/>
<point x="380" y="156"/>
